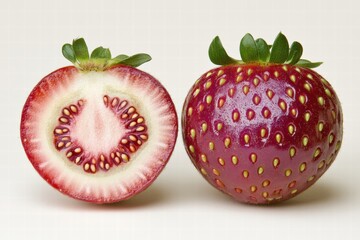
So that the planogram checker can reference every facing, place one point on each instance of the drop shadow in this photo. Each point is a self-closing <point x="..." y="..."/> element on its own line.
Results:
<point x="150" y="197"/>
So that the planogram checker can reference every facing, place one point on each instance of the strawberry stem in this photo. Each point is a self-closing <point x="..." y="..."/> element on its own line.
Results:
<point x="100" y="58"/>
<point x="258" y="51"/>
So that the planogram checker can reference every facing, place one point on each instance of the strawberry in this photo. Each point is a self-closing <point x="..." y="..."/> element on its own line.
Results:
<point x="265" y="128"/>
<point x="100" y="131"/>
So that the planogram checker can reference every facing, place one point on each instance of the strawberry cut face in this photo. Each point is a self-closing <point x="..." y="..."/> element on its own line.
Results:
<point x="262" y="133"/>
<point x="100" y="136"/>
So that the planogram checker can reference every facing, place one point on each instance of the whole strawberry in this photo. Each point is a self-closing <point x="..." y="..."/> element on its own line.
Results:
<point x="265" y="128"/>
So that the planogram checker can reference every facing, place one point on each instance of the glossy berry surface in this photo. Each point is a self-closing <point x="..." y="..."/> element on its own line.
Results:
<point x="262" y="133"/>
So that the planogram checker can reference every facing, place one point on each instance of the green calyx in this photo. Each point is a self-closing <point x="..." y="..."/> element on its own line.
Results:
<point x="258" y="51"/>
<point x="100" y="58"/>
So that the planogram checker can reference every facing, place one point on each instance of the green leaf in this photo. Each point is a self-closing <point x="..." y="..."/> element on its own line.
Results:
<point x="68" y="52"/>
<point x="136" y="60"/>
<point x="280" y="49"/>
<point x="121" y="57"/>
<point x="307" y="64"/>
<point x="218" y="54"/>
<point x="248" y="49"/>
<point x="80" y="49"/>
<point x="100" y="52"/>
<point x="263" y="50"/>
<point x="295" y="53"/>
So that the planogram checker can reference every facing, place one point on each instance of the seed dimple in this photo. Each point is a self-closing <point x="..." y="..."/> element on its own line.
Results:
<point x="231" y="92"/>
<point x="253" y="157"/>
<point x="227" y="142"/>
<point x="270" y="94"/>
<point x="302" y="167"/>
<point x="93" y="168"/>
<point x="221" y="102"/>
<point x="115" y="102"/>
<point x="77" y="150"/>
<point x="73" y="108"/>
<point x="250" y="114"/>
<point x="60" y="144"/>
<point x="86" y="166"/>
<point x="140" y="129"/>
<point x="63" y="120"/>
<point x="66" y="112"/>
<point x="203" y="158"/>
<point x="234" y="160"/>
<point x="321" y="164"/>
<point x="276" y="162"/>
<point x="246" y="89"/>
<point x="235" y="115"/>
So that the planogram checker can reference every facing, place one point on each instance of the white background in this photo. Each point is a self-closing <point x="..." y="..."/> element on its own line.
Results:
<point x="180" y="204"/>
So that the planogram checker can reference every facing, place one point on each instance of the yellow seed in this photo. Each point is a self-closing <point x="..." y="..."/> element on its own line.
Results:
<point x="238" y="69"/>
<point x="203" y="171"/>
<point x="227" y="142"/>
<point x="331" y="138"/>
<point x="302" y="167"/>
<point x="222" y="81"/>
<point x="265" y="183"/>
<point x="298" y="70"/>
<point x="204" y="127"/>
<point x="211" y="146"/>
<point x="282" y="105"/>
<point x="311" y="178"/>
<point x="290" y="92"/>
<point x="191" y="148"/>
<point x="256" y="81"/>
<point x="276" y="162"/>
<point x="291" y="129"/>
<point x="285" y="68"/>
<point x="256" y="99"/>
<point x="270" y="94"/>
<point x="219" y="183"/>
<point x="253" y="157"/>
<point x="249" y="71"/>
<point x="276" y="74"/>
<point x="246" y="89"/>
<point x="245" y="174"/>
<point x="305" y="141"/>
<point x="196" y="92"/>
<point x="238" y="190"/>
<point x="246" y="138"/>
<point x="292" y="151"/>
<point x="278" y="137"/>
<point x="221" y="161"/>
<point x="302" y="99"/>
<point x="219" y="126"/>
<point x="317" y="152"/>
<point x="307" y="87"/>
<point x="192" y="133"/>
<point x="201" y="107"/>
<point x="307" y="116"/>
<point x="220" y="72"/>
<point x="208" y="84"/>
<point x="260" y="170"/>
<point x="327" y="91"/>
<point x="203" y="158"/>
<point x="288" y="172"/>
<point x="263" y="132"/>
<point x="253" y="188"/>
<point x="234" y="160"/>
<point x="231" y="92"/>
<point x="294" y="191"/>
<point x="239" y="78"/>
<point x="321" y="101"/>
<point x="235" y="116"/>
<point x="309" y="76"/>
<point x="293" y="78"/>
<point x="216" y="172"/>
<point x="208" y="74"/>
<point x="250" y="114"/>
<point x="221" y="102"/>
<point x="266" y="113"/>
<point x="60" y="144"/>
<point x="93" y="168"/>
<point x="293" y="112"/>
<point x="321" y="164"/>
<point x="208" y="99"/>
<point x="265" y="194"/>
<point x="190" y="111"/>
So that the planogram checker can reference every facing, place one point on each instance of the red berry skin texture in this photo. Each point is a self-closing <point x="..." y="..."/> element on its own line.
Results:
<point x="262" y="133"/>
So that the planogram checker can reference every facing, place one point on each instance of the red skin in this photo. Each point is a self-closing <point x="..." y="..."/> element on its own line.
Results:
<point x="229" y="177"/>
<point x="65" y="76"/>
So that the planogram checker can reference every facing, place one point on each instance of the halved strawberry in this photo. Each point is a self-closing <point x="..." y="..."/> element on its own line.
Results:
<point x="101" y="131"/>
<point x="263" y="129"/>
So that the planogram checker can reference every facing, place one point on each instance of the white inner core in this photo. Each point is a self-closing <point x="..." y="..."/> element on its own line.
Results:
<point x="96" y="128"/>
